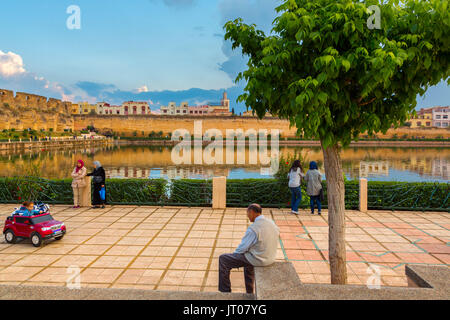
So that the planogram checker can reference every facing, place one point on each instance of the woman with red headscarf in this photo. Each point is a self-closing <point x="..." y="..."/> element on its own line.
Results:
<point x="78" y="182"/>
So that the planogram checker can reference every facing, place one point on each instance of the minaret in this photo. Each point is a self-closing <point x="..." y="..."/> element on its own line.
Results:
<point x="225" y="101"/>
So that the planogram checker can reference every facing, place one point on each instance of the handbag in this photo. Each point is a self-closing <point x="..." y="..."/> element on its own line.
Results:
<point x="97" y="179"/>
<point x="321" y="195"/>
<point x="102" y="194"/>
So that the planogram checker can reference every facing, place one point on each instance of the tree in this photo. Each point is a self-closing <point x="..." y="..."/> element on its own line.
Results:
<point x="334" y="78"/>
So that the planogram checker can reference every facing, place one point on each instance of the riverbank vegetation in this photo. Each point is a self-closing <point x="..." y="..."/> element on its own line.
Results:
<point x="16" y="135"/>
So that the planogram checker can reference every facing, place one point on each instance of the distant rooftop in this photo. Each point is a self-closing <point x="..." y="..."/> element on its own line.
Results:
<point x="214" y="103"/>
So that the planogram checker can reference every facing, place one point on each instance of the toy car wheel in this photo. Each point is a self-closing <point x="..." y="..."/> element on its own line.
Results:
<point x="36" y="239"/>
<point x="59" y="238"/>
<point x="10" y="237"/>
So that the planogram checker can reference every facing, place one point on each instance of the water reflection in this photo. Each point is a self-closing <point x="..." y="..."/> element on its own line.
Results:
<point x="403" y="164"/>
<point x="373" y="168"/>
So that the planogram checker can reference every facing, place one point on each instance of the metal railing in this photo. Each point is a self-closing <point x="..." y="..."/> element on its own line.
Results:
<point x="409" y="196"/>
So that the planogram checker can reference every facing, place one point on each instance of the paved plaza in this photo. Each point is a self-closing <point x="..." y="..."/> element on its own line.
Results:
<point x="167" y="248"/>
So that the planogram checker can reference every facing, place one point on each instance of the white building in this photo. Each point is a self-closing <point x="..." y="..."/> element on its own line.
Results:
<point x="212" y="108"/>
<point x="112" y="110"/>
<point x="441" y="117"/>
<point x="135" y="108"/>
<point x="101" y="107"/>
<point x="173" y="109"/>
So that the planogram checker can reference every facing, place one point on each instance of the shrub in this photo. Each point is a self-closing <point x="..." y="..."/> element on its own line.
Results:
<point x="191" y="192"/>
<point x="136" y="191"/>
<point x="408" y="195"/>
<point x="240" y="193"/>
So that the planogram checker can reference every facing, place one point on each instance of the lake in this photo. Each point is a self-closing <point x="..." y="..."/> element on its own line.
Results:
<point x="381" y="164"/>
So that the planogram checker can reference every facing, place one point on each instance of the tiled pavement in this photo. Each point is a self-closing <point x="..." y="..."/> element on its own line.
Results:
<point x="178" y="248"/>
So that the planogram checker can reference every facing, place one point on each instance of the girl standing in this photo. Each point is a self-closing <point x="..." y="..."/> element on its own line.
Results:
<point x="295" y="176"/>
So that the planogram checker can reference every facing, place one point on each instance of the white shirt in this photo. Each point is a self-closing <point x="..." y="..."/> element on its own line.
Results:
<point x="295" y="178"/>
<point x="250" y="239"/>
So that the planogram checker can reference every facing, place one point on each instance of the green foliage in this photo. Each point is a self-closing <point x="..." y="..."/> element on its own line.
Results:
<point x="17" y="190"/>
<point x="191" y="192"/>
<point x="266" y="192"/>
<point x="332" y="77"/>
<point x="286" y="163"/>
<point x="240" y="193"/>
<point x="119" y="191"/>
<point x="408" y="196"/>
<point x="136" y="191"/>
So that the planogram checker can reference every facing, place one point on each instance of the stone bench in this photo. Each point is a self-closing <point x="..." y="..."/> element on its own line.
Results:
<point x="15" y="292"/>
<point x="281" y="282"/>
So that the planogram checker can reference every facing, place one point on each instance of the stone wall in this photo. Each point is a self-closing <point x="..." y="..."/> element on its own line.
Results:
<point x="144" y="124"/>
<point x="25" y="110"/>
<point x="127" y="125"/>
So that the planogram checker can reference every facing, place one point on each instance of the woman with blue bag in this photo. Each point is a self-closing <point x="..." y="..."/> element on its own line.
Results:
<point x="98" y="179"/>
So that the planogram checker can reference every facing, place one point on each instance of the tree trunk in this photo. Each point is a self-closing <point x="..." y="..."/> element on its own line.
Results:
<point x="336" y="214"/>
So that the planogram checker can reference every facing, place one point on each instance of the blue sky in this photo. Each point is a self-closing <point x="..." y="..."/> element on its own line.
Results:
<point x="154" y="50"/>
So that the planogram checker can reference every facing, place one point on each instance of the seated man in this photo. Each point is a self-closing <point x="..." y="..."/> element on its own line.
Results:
<point x="257" y="249"/>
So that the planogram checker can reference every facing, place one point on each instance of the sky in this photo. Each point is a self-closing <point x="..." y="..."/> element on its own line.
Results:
<point x="147" y="50"/>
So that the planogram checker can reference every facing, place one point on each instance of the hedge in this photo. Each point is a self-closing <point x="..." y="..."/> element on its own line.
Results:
<point x="136" y="191"/>
<point x="190" y="192"/>
<point x="276" y="193"/>
<point x="119" y="191"/>
<point x="240" y="193"/>
<point x="408" y="195"/>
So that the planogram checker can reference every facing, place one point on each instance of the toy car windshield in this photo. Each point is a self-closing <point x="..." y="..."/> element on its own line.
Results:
<point x="41" y="218"/>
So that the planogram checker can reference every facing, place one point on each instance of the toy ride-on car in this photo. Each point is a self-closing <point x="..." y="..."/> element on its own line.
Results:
<point x="37" y="228"/>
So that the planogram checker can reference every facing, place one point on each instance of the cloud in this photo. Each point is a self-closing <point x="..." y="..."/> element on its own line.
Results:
<point x="177" y="3"/>
<point x="260" y="12"/>
<point x="11" y="64"/>
<point x="14" y="76"/>
<point x="144" y="88"/>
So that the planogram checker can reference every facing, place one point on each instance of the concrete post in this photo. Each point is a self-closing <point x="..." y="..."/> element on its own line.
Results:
<point x="219" y="195"/>
<point x="363" y="195"/>
<point x="85" y="197"/>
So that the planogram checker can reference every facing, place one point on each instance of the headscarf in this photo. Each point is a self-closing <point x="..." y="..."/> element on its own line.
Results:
<point x="78" y="168"/>
<point x="313" y="166"/>
<point x="98" y="164"/>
